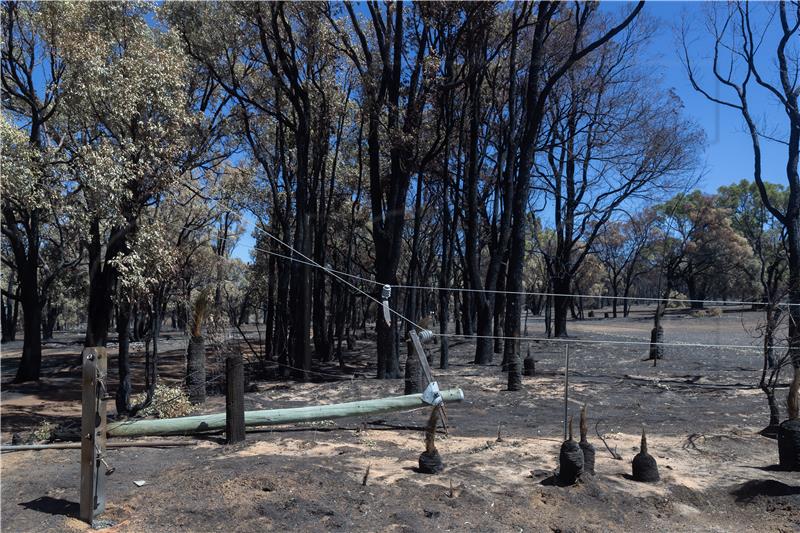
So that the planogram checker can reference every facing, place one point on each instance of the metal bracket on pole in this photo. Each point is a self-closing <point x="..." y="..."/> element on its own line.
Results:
<point x="94" y="468"/>
<point x="431" y="394"/>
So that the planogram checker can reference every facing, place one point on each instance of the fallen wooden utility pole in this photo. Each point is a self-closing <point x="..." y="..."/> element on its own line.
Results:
<point x="274" y="417"/>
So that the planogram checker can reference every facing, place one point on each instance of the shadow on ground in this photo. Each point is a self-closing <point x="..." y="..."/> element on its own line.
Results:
<point x="53" y="506"/>
<point x="752" y="489"/>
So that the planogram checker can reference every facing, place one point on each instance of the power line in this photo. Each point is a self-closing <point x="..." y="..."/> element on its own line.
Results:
<point x="310" y="262"/>
<point x="748" y="347"/>
<point x="490" y="291"/>
<point x="501" y="337"/>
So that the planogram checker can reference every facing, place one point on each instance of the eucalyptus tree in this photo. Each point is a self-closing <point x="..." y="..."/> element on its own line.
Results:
<point x="551" y="55"/>
<point x="274" y="61"/>
<point x="139" y="120"/>
<point x="620" y="246"/>
<point x="33" y="87"/>
<point x="391" y="52"/>
<point x="749" y="67"/>
<point x="131" y="134"/>
<point x="766" y="237"/>
<point x="609" y="143"/>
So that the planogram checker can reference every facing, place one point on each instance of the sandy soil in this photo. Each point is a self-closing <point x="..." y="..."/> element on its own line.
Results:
<point x="700" y="408"/>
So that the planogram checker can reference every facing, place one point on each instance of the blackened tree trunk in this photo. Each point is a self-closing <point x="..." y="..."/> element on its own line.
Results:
<point x="483" y="303"/>
<point x="322" y="346"/>
<point x="10" y="313"/>
<point x="561" y="305"/>
<point x="499" y="307"/>
<point x="102" y="280"/>
<point x="123" y="394"/>
<point x="412" y="295"/>
<point x="31" y="362"/>
<point x="539" y="86"/>
<point x="51" y="313"/>
<point x="448" y="237"/>
<point x="25" y="249"/>
<point x="269" y="309"/>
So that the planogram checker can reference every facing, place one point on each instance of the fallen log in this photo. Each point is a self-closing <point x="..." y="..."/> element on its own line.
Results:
<point x="274" y="417"/>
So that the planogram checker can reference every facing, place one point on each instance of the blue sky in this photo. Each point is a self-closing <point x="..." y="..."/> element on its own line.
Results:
<point x="727" y="157"/>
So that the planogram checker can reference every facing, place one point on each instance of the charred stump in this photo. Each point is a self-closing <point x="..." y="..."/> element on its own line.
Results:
<point x="529" y="365"/>
<point x="570" y="460"/>
<point x="645" y="468"/>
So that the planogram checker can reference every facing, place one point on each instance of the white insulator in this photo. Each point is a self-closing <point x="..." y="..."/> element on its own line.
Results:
<point x="425" y="335"/>
<point x="386" y="293"/>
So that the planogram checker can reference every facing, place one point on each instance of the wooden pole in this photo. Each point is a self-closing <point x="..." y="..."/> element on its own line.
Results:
<point x="93" y="433"/>
<point x="234" y="399"/>
<point x="275" y="417"/>
<point x="566" y="388"/>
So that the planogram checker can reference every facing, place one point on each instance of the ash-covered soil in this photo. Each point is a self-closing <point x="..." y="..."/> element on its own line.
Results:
<point x="700" y="407"/>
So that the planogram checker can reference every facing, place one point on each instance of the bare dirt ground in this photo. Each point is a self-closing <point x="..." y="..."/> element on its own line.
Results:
<point x="699" y="405"/>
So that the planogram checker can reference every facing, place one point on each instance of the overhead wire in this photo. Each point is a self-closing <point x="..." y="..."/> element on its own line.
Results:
<point x="340" y="276"/>
<point x="496" y="291"/>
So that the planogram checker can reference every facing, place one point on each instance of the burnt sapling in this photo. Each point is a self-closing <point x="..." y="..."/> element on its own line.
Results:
<point x="645" y="467"/>
<point x="430" y="462"/>
<point x="570" y="459"/>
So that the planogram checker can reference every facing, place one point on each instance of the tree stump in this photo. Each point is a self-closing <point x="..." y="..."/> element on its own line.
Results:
<point x="570" y="460"/>
<point x="789" y="444"/>
<point x="529" y="365"/>
<point x="645" y="468"/>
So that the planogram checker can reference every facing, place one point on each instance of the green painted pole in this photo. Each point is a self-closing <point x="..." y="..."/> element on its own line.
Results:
<point x="274" y="417"/>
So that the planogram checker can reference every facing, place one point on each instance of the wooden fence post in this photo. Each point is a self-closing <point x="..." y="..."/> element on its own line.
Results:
<point x="93" y="433"/>
<point x="234" y="399"/>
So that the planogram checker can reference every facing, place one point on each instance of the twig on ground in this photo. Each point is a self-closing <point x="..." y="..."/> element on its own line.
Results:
<point x="613" y="453"/>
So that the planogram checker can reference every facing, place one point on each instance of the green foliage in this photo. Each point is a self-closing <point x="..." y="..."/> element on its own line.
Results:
<point x="168" y="402"/>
